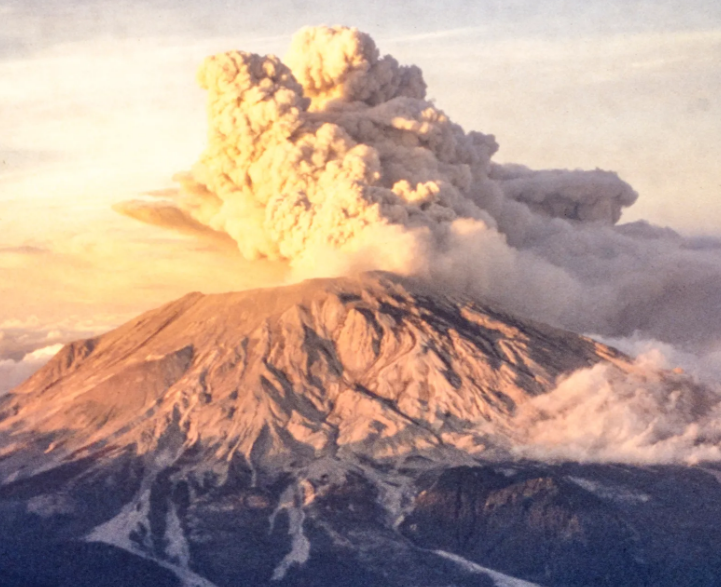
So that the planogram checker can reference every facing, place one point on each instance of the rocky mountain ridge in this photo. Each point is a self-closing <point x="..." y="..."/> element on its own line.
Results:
<point x="375" y="365"/>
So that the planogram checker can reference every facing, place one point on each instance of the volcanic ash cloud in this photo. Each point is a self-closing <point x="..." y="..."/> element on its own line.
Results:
<point x="333" y="161"/>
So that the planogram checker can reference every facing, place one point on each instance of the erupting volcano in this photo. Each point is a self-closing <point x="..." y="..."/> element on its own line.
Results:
<point x="424" y="410"/>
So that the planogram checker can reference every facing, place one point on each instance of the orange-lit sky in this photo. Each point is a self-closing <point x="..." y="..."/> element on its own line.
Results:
<point x="98" y="103"/>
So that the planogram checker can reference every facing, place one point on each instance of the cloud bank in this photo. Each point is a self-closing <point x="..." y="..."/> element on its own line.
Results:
<point x="605" y="414"/>
<point x="14" y="372"/>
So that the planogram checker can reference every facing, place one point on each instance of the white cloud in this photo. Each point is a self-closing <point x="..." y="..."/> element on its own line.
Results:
<point x="702" y="363"/>
<point x="605" y="414"/>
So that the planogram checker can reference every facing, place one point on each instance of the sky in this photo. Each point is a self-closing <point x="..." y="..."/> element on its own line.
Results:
<point x="99" y="104"/>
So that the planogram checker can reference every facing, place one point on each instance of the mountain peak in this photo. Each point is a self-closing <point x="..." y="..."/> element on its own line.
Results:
<point x="375" y="364"/>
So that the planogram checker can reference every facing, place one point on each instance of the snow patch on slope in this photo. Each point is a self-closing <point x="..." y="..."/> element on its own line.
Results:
<point x="117" y="532"/>
<point x="603" y="491"/>
<point x="500" y="579"/>
<point x="292" y="501"/>
<point x="177" y="546"/>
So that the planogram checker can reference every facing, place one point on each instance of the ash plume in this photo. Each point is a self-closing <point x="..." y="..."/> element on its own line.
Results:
<point x="333" y="161"/>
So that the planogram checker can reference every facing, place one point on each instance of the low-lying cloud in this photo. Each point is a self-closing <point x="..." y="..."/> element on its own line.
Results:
<point x="604" y="413"/>
<point x="13" y="372"/>
<point x="26" y="345"/>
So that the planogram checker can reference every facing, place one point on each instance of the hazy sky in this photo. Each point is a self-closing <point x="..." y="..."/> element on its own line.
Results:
<point x="98" y="103"/>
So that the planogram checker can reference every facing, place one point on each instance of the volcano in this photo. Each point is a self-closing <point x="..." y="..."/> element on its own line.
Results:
<point x="350" y="431"/>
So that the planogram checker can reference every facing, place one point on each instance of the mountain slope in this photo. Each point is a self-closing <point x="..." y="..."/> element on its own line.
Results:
<point x="351" y="431"/>
<point x="375" y="365"/>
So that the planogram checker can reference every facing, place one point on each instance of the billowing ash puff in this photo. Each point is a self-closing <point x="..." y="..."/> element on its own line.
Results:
<point x="324" y="152"/>
<point x="334" y="162"/>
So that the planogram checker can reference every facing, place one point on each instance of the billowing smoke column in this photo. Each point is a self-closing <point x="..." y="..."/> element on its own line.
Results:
<point x="292" y="170"/>
<point x="333" y="161"/>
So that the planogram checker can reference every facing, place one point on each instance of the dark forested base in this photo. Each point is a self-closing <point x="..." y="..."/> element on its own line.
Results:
<point x="563" y="525"/>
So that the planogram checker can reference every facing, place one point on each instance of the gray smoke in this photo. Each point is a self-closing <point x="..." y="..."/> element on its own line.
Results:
<point x="333" y="161"/>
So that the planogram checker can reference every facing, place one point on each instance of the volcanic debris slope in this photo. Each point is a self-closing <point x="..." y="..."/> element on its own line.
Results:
<point x="350" y="431"/>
